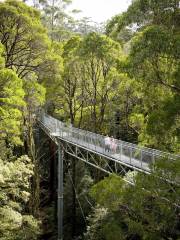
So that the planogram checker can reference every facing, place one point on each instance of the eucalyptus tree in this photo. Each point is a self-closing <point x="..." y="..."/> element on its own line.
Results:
<point x="89" y="79"/>
<point x="141" y="13"/>
<point x="154" y="62"/>
<point x="16" y="223"/>
<point x="25" y="44"/>
<point x="91" y="82"/>
<point x="75" y="212"/>
<point x="11" y="104"/>
<point x="157" y="69"/>
<point x="24" y="39"/>
<point x="73" y="85"/>
<point x="147" y="210"/>
<point x="57" y="19"/>
<point x="99" y="55"/>
<point x="86" y="25"/>
<point x="27" y="51"/>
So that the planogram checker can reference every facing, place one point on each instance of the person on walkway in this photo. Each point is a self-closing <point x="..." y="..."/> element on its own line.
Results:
<point x="113" y="145"/>
<point x="107" y="141"/>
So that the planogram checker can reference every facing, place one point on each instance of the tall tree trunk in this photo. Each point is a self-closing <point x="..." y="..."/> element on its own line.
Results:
<point x="34" y="200"/>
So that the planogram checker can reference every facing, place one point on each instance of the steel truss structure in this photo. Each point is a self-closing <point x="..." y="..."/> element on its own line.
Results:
<point x="90" y="148"/>
<point x="105" y="163"/>
<point x="95" y="160"/>
<point x="88" y="144"/>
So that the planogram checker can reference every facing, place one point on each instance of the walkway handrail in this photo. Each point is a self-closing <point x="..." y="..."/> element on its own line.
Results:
<point x="146" y="149"/>
<point x="127" y="153"/>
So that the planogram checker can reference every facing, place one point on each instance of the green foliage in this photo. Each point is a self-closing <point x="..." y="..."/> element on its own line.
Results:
<point x="55" y="17"/>
<point x="78" y="185"/>
<point x="11" y="103"/>
<point x="96" y="220"/>
<point x="50" y="72"/>
<point x="108" y="192"/>
<point x="146" y="12"/>
<point x="89" y="80"/>
<point x="147" y="210"/>
<point x="153" y="63"/>
<point x="154" y="51"/>
<point x="27" y="50"/>
<point x="27" y="41"/>
<point x="1" y="58"/>
<point x="28" y="64"/>
<point x="34" y="93"/>
<point x="100" y="46"/>
<point x="14" y="195"/>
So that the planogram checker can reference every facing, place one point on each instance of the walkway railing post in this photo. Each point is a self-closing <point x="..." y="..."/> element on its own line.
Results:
<point x="141" y="157"/>
<point x="121" y="151"/>
<point x="130" y="155"/>
<point x="153" y="160"/>
<point x="60" y="193"/>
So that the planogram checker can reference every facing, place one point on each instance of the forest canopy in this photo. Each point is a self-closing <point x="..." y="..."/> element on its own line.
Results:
<point x="120" y="79"/>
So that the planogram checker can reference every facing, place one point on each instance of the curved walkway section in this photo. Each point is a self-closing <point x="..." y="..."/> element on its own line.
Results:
<point x="125" y="153"/>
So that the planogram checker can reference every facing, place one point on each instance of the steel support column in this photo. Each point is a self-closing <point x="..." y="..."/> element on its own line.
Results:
<point x="60" y="193"/>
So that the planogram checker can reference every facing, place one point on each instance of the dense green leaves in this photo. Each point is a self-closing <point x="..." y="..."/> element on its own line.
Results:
<point x="150" y="208"/>
<point x="128" y="87"/>
<point x="77" y="184"/>
<point x="24" y="46"/>
<point x="89" y="79"/>
<point x="147" y="210"/>
<point x="23" y="37"/>
<point x="108" y="192"/>
<point x="11" y="104"/>
<point x="14" y="194"/>
<point x="153" y="62"/>
<point x="146" y="12"/>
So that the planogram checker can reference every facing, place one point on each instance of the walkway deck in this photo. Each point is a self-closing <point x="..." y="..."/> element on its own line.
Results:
<point x="125" y="153"/>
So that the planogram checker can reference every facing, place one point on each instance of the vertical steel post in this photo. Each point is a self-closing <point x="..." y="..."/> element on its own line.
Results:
<point x="130" y="155"/>
<point x="121" y="151"/>
<point x="60" y="193"/>
<point x="153" y="159"/>
<point x="141" y="156"/>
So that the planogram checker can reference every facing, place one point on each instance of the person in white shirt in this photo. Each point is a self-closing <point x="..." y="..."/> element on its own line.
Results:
<point x="113" y="145"/>
<point x="107" y="142"/>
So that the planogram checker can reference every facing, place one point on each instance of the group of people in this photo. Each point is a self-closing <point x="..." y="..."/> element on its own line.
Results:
<point x="110" y="144"/>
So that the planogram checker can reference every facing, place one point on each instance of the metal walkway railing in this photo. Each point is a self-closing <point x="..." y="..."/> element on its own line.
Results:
<point x="130" y="154"/>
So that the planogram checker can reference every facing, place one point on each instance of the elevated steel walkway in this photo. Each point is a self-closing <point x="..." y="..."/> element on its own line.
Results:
<point x="90" y="148"/>
<point x="124" y="153"/>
